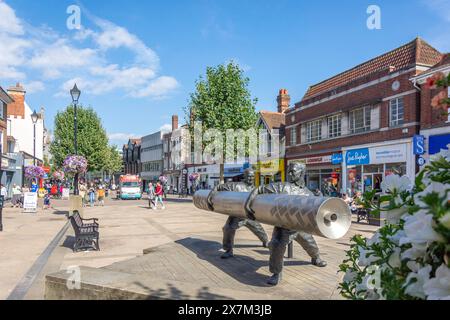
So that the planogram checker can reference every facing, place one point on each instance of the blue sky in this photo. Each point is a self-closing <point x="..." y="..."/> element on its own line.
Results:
<point x="136" y="61"/>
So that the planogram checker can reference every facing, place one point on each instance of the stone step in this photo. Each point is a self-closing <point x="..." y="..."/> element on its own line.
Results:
<point x="104" y="284"/>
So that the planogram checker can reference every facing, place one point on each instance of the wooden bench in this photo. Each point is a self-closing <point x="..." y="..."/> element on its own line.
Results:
<point x="86" y="234"/>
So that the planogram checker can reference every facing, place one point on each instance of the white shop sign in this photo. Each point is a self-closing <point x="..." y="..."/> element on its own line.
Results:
<point x="30" y="201"/>
<point x="388" y="154"/>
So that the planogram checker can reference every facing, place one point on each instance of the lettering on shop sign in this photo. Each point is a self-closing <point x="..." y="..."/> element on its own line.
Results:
<point x="360" y="156"/>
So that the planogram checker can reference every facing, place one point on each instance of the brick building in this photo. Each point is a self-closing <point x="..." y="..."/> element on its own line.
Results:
<point x="434" y="117"/>
<point x="132" y="157"/>
<point x="356" y="127"/>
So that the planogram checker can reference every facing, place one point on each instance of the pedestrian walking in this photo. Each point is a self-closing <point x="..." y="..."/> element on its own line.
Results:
<point x="91" y="195"/>
<point x="46" y="201"/>
<point x="82" y="189"/>
<point x="101" y="195"/>
<point x="16" y="195"/>
<point x="159" y="192"/>
<point x="151" y="196"/>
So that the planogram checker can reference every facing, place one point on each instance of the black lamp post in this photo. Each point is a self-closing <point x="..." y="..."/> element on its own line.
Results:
<point x="34" y="118"/>
<point x="75" y="93"/>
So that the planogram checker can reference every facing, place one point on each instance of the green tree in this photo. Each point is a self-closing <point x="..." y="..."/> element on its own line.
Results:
<point x="222" y="101"/>
<point x="113" y="161"/>
<point x="91" y="136"/>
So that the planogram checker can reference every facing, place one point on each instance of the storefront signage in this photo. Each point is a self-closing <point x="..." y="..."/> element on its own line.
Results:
<point x="30" y="201"/>
<point x="419" y="145"/>
<point x="439" y="142"/>
<point x="420" y="161"/>
<point x="337" y="158"/>
<point x="378" y="155"/>
<point x="358" y="157"/>
<point x="270" y="167"/>
<point x="314" y="160"/>
<point x="388" y="154"/>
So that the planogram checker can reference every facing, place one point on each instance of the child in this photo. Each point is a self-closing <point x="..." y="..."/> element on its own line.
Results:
<point x="46" y="201"/>
<point x="101" y="196"/>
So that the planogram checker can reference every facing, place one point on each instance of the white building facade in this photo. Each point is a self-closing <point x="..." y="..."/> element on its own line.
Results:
<point x="21" y="127"/>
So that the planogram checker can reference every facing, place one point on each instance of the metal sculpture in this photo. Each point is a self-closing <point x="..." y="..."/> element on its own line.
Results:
<point x="234" y="223"/>
<point x="294" y="211"/>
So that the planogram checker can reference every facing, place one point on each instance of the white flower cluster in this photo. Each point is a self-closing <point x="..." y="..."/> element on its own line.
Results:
<point x="409" y="257"/>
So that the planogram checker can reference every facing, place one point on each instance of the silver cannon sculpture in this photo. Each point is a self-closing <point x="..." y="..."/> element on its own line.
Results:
<point x="324" y="217"/>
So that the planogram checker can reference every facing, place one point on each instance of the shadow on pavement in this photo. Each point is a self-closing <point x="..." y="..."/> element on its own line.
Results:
<point x="242" y="268"/>
<point x="174" y="293"/>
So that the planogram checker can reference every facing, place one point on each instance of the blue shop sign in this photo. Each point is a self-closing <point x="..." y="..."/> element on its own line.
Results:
<point x="419" y="145"/>
<point x="337" y="158"/>
<point x="358" y="156"/>
<point x="439" y="142"/>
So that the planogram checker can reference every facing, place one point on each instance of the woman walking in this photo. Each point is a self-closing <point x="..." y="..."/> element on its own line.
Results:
<point x="151" y="196"/>
<point x="159" y="192"/>
<point x="101" y="195"/>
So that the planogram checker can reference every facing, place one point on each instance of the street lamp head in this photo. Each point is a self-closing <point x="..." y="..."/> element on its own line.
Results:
<point x="34" y="117"/>
<point x="75" y="93"/>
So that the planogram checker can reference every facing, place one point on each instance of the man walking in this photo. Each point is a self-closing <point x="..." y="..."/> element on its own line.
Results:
<point x="282" y="237"/>
<point x="233" y="223"/>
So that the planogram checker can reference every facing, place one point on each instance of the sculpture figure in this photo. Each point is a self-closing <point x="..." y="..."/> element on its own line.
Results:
<point x="282" y="237"/>
<point x="234" y="223"/>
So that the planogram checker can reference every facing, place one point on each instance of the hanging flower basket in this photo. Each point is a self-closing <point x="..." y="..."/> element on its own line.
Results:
<point x="163" y="179"/>
<point x="75" y="164"/>
<point x="194" y="177"/>
<point x="58" y="175"/>
<point x="34" y="172"/>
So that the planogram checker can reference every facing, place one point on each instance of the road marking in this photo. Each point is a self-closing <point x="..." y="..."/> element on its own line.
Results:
<point x="27" y="281"/>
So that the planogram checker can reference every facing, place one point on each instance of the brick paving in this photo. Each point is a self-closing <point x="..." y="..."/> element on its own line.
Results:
<point x="183" y="248"/>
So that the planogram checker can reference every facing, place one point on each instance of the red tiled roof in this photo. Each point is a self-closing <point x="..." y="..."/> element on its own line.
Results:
<point x="274" y="120"/>
<point x="445" y="61"/>
<point x="415" y="52"/>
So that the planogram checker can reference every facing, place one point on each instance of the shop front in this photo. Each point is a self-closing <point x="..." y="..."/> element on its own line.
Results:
<point x="365" y="168"/>
<point x="270" y="171"/>
<point x="322" y="174"/>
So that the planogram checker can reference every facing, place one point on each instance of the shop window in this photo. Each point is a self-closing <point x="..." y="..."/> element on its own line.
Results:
<point x="334" y="126"/>
<point x="359" y="120"/>
<point x="2" y="108"/>
<point x="396" y="168"/>
<point x="396" y="112"/>
<point x="314" y="131"/>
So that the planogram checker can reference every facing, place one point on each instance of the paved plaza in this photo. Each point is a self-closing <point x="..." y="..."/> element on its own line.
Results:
<point x="172" y="253"/>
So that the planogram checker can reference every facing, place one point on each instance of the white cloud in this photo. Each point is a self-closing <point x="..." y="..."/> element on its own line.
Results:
<point x="166" y="128"/>
<point x="54" y="59"/>
<point x="27" y="50"/>
<point x="9" y="23"/>
<point x="159" y="88"/>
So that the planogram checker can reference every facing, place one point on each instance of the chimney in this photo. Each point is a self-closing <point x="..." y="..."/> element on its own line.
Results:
<point x="284" y="100"/>
<point x="17" y="108"/>
<point x="174" y="122"/>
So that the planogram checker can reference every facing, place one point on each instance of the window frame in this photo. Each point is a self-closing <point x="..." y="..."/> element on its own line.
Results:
<point x="366" y="120"/>
<point x="293" y="136"/>
<point x="398" y="121"/>
<point x="334" y="125"/>
<point x="309" y="131"/>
